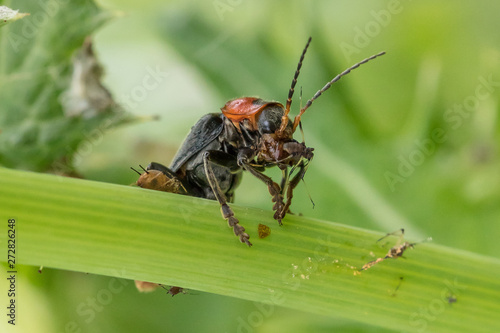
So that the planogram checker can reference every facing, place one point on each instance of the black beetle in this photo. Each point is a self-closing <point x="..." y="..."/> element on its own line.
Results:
<point x="250" y="134"/>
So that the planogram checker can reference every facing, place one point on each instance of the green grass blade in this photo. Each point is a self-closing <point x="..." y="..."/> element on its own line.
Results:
<point x="307" y="264"/>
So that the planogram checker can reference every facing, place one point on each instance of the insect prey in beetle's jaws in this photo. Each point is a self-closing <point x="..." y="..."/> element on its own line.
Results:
<point x="395" y="251"/>
<point x="250" y="135"/>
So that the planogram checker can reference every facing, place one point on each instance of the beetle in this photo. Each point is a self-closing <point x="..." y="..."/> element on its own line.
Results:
<point x="250" y="134"/>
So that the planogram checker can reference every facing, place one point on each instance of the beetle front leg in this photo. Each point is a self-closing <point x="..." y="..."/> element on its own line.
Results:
<point x="284" y="179"/>
<point x="292" y="184"/>
<point x="226" y="211"/>
<point x="274" y="189"/>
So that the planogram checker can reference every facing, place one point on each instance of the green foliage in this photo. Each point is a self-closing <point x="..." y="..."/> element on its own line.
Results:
<point x="7" y="15"/>
<point x="35" y="80"/>
<point x="398" y="116"/>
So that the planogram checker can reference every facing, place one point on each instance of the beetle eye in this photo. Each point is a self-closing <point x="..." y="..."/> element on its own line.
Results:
<point x="270" y="119"/>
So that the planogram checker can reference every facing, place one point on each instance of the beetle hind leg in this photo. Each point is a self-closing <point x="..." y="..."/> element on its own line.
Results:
<point x="239" y="230"/>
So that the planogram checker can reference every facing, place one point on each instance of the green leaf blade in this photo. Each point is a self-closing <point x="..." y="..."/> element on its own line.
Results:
<point x="307" y="264"/>
<point x="36" y="68"/>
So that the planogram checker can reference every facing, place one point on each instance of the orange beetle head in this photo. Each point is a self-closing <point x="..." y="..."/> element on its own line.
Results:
<point x="258" y="113"/>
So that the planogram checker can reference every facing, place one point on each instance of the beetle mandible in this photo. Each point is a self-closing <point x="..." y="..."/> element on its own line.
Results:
<point x="249" y="135"/>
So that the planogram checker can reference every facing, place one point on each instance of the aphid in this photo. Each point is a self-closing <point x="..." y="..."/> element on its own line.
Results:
<point x="399" y="249"/>
<point x="263" y="230"/>
<point x="174" y="290"/>
<point x="250" y="135"/>
<point x="396" y="251"/>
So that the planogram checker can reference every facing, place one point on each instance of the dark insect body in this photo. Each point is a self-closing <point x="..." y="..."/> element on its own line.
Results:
<point x="174" y="290"/>
<point x="451" y="299"/>
<point x="250" y="135"/>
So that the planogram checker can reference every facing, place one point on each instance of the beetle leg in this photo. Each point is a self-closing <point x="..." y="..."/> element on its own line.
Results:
<point x="284" y="179"/>
<point x="223" y="159"/>
<point x="274" y="189"/>
<point x="292" y="184"/>
<point x="226" y="211"/>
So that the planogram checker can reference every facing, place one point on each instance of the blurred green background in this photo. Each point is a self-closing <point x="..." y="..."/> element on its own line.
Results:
<point x="379" y="163"/>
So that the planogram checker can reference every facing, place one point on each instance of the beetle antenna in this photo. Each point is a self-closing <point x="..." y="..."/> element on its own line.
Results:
<point x="284" y="119"/>
<point x="328" y="85"/>
<point x="300" y="97"/>
<point x="146" y="171"/>
<point x="135" y="171"/>
<point x="300" y="123"/>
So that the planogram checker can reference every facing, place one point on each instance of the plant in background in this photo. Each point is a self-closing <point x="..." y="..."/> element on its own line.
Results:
<point x="54" y="108"/>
